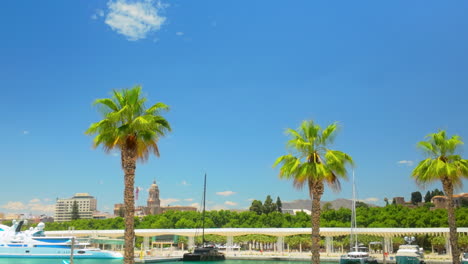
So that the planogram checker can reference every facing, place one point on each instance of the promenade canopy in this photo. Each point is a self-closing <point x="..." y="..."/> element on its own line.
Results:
<point x="278" y="232"/>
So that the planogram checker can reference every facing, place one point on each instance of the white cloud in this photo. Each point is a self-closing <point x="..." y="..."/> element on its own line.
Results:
<point x="371" y="200"/>
<point x="38" y="207"/>
<point x="185" y="183"/>
<point x="230" y="203"/>
<point x="25" y="132"/>
<point x="250" y="199"/>
<point x="135" y="19"/>
<point x="99" y="13"/>
<point x="226" y="193"/>
<point x="188" y="199"/>
<point x="14" y="206"/>
<point x="168" y="201"/>
<point x="405" y="162"/>
<point x="47" y="199"/>
<point x="179" y="33"/>
<point x="218" y="207"/>
<point x="195" y="205"/>
<point x="34" y="205"/>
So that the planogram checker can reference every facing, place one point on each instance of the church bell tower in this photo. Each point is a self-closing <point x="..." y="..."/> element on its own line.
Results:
<point x="153" y="203"/>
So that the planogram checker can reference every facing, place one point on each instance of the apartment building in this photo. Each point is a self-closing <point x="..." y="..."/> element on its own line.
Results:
<point x="87" y="205"/>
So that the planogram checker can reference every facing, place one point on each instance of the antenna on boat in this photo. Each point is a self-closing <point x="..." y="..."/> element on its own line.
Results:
<point x="203" y="213"/>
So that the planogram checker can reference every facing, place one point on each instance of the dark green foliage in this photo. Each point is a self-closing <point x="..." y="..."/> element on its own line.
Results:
<point x="464" y="203"/>
<point x="361" y="204"/>
<point x="430" y="194"/>
<point x="256" y="207"/>
<point x="427" y="197"/>
<point x="416" y="197"/>
<point x="268" y="205"/>
<point x="75" y="213"/>
<point x="279" y="205"/>
<point x="389" y="216"/>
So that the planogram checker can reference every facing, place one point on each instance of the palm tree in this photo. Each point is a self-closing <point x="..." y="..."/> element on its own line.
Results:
<point x="311" y="163"/>
<point x="134" y="130"/>
<point x="444" y="164"/>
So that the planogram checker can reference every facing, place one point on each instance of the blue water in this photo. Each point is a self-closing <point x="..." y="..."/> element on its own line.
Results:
<point x="116" y="261"/>
<point x="58" y="261"/>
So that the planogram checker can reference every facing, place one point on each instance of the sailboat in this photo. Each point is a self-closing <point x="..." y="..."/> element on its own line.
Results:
<point x="357" y="254"/>
<point x="207" y="251"/>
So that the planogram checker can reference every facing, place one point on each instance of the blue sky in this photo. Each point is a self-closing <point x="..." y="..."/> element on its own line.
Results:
<point x="236" y="75"/>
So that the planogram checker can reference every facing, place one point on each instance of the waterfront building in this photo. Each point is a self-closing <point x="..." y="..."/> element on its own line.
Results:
<point x="399" y="200"/>
<point x="440" y="201"/>
<point x="87" y="205"/>
<point x="119" y="209"/>
<point x="295" y="211"/>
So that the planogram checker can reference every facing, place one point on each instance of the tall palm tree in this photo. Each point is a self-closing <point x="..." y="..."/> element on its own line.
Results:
<point x="134" y="130"/>
<point x="445" y="165"/>
<point x="310" y="162"/>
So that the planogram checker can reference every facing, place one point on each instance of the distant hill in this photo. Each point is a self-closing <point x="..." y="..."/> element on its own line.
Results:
<point x="306" y="204"/>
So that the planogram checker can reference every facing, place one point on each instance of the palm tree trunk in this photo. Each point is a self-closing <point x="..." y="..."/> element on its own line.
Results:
<point x="129" y="167"/>
<point x="448" y="189"/>
<point x="316" y="191"/>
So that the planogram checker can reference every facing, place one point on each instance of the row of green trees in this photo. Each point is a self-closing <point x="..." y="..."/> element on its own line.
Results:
<point x="389" y="216"/>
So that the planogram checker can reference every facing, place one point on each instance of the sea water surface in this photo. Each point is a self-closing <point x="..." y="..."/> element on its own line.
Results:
<point x="117" y="261"/>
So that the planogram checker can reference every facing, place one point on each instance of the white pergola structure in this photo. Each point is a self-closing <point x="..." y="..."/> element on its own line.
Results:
<point x="328" y="232"/>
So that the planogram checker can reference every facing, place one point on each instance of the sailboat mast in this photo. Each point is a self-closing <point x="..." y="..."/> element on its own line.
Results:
<point x="203" y="213"/>
<point x="353" y="217"/>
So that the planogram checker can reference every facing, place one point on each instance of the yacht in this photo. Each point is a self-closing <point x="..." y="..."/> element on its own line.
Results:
<point x="32" y="243"/>
<point x="205" y="253"/>
<point x="409" y="254"/>
<point x="208" y="251"/>
<point x="358" y="253"/>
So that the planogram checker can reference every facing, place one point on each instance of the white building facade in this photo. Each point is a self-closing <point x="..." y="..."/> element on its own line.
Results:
<point x="87" y="205"/>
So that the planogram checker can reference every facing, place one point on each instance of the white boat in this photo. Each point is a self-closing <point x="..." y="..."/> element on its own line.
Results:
<point x="464" y="258"/>
<point x="32" y="243"/>
<point x="409" y="254"/>
<point x="357" y="253"/>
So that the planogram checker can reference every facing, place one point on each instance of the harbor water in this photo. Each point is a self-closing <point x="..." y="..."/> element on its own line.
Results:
<point x="114" y="261"/>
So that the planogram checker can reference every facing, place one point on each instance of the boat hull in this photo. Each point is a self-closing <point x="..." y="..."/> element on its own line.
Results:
<point x="408" y="260"/>
<point x="357" y="261"/>
<point x="33" y="252"/>
<point x="202" y="257"/>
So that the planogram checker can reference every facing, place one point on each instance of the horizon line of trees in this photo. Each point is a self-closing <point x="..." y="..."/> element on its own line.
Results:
<point x="390" y="216"/>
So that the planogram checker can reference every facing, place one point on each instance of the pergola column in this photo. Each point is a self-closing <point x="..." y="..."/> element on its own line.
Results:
<point x="229" y="244"/>
<point x="191" y="242"/>
<point x="145" y="243"/>
<point x="387" y="246"/>
<point x="448" y="246"/>
<point x="280" y="244"/>
<point x="329" y="244"/>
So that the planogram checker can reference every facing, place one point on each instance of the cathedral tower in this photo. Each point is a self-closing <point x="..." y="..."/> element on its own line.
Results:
<point x="154" y="204"/>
